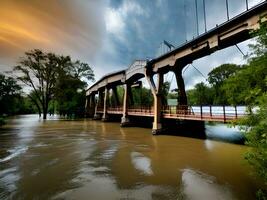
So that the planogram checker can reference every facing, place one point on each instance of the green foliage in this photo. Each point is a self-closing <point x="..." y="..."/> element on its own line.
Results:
<point x="165" y="90"/>
<point x="142" y="97"/>
<point x="248" y="83"/>
<point x="26" y="106"/>
<point x="261" y="195"/>
<point x="219" y="74"/>
<point x="12" y="100"/>
<point x="256" y="135"/>
<point x="10" y="95"/>
<point x="217" y="78"/>
<point x="200" y="95"/>
<point x="217" y="93"/>
<point x="172" y="95"/>
<point x="256" y="122"/>
<point x="70" y="96"/>
<point x="53" y="77"/>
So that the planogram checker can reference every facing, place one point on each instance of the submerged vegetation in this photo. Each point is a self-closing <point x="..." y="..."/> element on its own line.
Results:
<point x="55" y="84"/>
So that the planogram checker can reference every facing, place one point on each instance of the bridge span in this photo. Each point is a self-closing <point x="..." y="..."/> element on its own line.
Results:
<point x="231" y="32"/>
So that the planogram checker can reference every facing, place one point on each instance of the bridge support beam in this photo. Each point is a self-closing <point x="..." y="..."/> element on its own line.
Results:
<point x="86" y="109"/>
<point x="157" y="94"/>
<point x="182" y="98"/>
<point x="105" y="109"/>
<point x="98" y="104"/>
<point x="126" y="98"/>
<point x="90" y="106"/>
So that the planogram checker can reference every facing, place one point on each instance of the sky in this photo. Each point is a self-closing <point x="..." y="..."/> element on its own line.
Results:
<point x="110" y="34"/>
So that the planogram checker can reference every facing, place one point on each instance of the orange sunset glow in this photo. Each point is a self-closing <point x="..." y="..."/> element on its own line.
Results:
<point x="57" y="26"/>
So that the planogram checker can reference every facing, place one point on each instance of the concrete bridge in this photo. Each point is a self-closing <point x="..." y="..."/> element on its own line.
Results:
<point x="231" y="32"/>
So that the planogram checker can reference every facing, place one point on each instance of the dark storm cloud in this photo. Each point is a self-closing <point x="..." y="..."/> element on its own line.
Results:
<point x="109" y="34"/>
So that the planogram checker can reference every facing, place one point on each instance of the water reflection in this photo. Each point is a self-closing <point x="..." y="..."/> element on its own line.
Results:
<point x="84" y="159"/>
<point x="224" y="133"/>
<point x="141" y="163"/>
<point x="197" y="185"/>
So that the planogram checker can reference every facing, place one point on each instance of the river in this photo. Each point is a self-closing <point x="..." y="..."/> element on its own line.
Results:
<point x="85" y="159"/>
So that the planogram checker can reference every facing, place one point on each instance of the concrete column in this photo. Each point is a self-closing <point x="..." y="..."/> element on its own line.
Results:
<point x="125" y="119"/>
<point x="85" y="106"/>
<point x="98" y="104"/>
<point x="157" y="95"/>
<point x="157" y="124"/>
<point x="91" y="105"/>
<point x="182" y="98"/>
<point x="106" y="100"/>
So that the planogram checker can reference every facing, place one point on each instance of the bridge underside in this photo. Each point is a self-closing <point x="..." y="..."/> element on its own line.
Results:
<point x="227" y="34"/>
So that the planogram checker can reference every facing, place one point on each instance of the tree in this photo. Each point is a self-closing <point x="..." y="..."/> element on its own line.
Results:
<point x="43" y="72"/>
<point x="217" y="78"/>
<point x="70" y="95"/>
<point x="255" y="125"/>
<point x="70" y="89"/>
<point x="219" y="74"/>
<point x="165" y="91"/>
<point x="38" y="71"/>
<point x="10" y="94"/>
<point x="200" y="95"/>
<point x="142" y="97"/>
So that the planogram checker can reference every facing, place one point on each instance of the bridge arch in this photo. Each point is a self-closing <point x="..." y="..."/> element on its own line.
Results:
<point x="136" y="70"/>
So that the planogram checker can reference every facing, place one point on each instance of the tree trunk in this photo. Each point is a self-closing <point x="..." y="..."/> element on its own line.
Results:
<point x="44" y="113"/>
<point x="45" y="108"/>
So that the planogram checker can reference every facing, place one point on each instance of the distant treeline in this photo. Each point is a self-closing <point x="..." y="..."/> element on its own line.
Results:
<point x="55" y="84"/>
<point x="231" y="84"/>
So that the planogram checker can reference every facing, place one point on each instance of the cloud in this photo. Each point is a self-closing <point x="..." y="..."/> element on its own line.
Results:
<point x="114" y="22"/>
<point x="59" y="26"/>
<point x="110" y="34"/>
<point x="116" y="18"/>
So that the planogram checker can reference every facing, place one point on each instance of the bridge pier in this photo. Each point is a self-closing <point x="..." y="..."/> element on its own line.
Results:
<point x="182" y="98"/>
<point x="105" y="108"/>
<point x="126" y="98"/>
<point x="90" y="105"/>
<point x="98" y="104"/>
<point x="157" y="95"/>
<point x="86" y="109"/>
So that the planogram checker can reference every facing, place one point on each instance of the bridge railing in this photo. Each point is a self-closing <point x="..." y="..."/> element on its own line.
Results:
<point x="209" y="113"/>
<point x="181" y="110"/>
<point x="100" y="109"/>
<point x="116" y="109"/>
<point x="223" y="113"/>
<point x="141" y="109"/>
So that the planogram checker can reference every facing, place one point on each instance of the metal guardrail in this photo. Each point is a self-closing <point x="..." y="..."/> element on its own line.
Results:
<point x="204" y="113"/>
<point x="209" y="113"/>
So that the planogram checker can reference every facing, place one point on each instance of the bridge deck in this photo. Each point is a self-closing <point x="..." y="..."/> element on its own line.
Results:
<point x="198" y="113"/>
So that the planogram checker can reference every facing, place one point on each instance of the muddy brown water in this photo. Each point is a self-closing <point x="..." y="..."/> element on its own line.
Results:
<point x="85" y="159"/>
